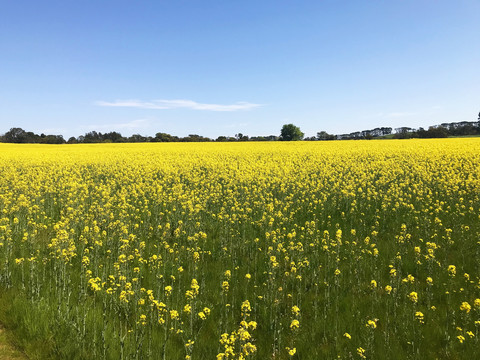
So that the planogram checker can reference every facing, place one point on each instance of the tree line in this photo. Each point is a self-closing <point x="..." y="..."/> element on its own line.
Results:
<point x="444" y="130"/>
<point x="463" y="128"/>
<point x="289" y="132"/>
<point x="20" y="136"/>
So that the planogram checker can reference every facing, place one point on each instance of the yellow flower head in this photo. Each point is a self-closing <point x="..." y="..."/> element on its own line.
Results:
<point x="246" y="308"/>
<point x="465" y="307"/>
<point x="413" y="296"/>
<point x="419" y="317"/>
<point x="174" y="314"/>
<point x="295" y="324"/>
<point x="452" y="270"/>
<point x="291" y="351"/>
<point x="361" y="352"/>
<point x="371" y="324"/>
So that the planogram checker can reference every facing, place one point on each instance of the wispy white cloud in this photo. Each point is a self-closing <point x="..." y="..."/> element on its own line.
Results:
<point x="178" y="104"/>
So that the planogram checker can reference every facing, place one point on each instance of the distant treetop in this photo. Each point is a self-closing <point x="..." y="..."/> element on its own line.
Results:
<point x="291" y="132"/>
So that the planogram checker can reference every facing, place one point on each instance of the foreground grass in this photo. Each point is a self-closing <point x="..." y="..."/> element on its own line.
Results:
<point x="7" y="350"/>
<point x="355" y="249"/>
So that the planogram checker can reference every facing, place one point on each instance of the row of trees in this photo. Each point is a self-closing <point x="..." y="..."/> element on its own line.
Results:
<point x="289" y="132"/>
<point x="444" y="130"/>
<point x="20" y="136"/>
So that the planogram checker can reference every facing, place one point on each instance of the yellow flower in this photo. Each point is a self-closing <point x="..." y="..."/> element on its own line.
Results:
<point x="371" y="324"/>
<point x="243" y="334"/>
<point x="347" y="335"/>
<point x="465" y="307"/>
<point x="246" y="307"/>
<point x="174" y="314"/>
<point x="194" y="286"/>
<point x="419" y="316"/>
<point x="361" y="352"/>
<point x="413" y="296"/>
<point x="295" y="324"/>
<point x="248" y="348"/>
<point x="452" y="270"/>
<point x="476" y="303"/>
<point x="196" y="256"/>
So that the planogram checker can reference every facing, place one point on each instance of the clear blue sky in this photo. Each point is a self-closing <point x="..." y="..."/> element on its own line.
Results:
<point x="223" y="67"/>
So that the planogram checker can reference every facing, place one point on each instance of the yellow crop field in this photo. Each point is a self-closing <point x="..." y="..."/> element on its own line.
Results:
<point x="300" y="250"/>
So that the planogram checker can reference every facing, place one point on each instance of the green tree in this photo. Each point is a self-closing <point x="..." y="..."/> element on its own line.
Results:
<point x="16" y="135"/>
<point x="323" y="135"/>
<point x="164" y="137"/>
<point x="291" y="132"/>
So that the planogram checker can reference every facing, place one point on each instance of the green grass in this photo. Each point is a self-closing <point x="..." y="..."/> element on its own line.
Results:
<point x="7" y="349"/>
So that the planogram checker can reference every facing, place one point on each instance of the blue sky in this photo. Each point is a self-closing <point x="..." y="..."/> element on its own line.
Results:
<point x="225" y="67"/>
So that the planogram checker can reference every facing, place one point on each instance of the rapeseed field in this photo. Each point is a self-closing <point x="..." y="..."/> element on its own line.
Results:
<point x="305" y="250"/>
